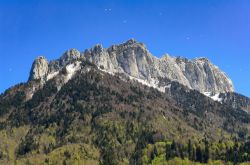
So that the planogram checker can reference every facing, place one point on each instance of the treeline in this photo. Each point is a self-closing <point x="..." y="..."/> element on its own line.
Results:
<point x="202" y="152"/>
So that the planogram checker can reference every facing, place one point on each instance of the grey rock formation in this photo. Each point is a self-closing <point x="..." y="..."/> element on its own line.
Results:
<point x="134" y="60"/>
<point x="66" y="58"/>
<point x="39" y="69"/>
<point x="69" y="55"/>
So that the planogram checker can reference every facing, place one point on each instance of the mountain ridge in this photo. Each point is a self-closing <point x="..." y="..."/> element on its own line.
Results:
<point x="134" y="59"/>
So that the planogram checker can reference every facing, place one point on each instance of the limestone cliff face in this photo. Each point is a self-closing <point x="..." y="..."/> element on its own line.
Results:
<point x="66" y="58"/>
<point x="134" y="60"/>
<point x="204" y="76"/>
<point x="39" y="69"/>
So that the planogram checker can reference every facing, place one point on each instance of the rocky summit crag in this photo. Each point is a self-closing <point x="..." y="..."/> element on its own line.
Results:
<point x="134" y="60"/>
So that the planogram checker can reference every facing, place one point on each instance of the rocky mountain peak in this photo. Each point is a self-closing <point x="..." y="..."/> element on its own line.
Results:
<point x="132" y="44"/>
<point x="180" y="59"/>
<point x="97" y="48"/>
<point x="39" y="68"/>
<point x="69" y="55"/>
<point x="133" y="59"/>
<point x="202" y="59"/>
<point x="131" y="41"/>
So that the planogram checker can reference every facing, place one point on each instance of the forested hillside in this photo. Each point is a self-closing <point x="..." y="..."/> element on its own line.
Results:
<point x="99" y="118"/>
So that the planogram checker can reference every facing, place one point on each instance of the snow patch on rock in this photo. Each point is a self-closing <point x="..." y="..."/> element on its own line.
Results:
<point x="215" y="97"/>
<point x="151" y="83"/>
<point x="52" y="75"/>
<point x="72" y="69"/>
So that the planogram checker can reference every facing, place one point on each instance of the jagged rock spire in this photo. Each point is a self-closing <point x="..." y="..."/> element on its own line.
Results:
<point x="39" y="68"/>
<point x="69" y="55"/>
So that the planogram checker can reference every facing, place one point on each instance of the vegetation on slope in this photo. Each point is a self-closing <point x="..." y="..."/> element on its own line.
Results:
<point x="97" y="118"/>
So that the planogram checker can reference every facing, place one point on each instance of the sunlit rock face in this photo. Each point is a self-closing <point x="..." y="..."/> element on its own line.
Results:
<point x="134" y="60"/>
<point x="39" y="69"/>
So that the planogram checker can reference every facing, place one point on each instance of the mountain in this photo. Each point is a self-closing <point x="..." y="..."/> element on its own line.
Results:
<point x="133" y="59"/>
<point x="122" y="105"/>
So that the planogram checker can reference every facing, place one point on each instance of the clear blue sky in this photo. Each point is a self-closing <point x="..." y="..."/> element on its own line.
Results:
<point x="217" y="29"/>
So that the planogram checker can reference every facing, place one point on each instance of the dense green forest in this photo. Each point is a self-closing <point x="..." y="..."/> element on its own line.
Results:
<point x="97" y="118"/>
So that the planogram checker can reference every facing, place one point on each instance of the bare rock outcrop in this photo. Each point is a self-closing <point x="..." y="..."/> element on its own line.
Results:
<point x="39" y="69"/>
<point x="133" y="59"/>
